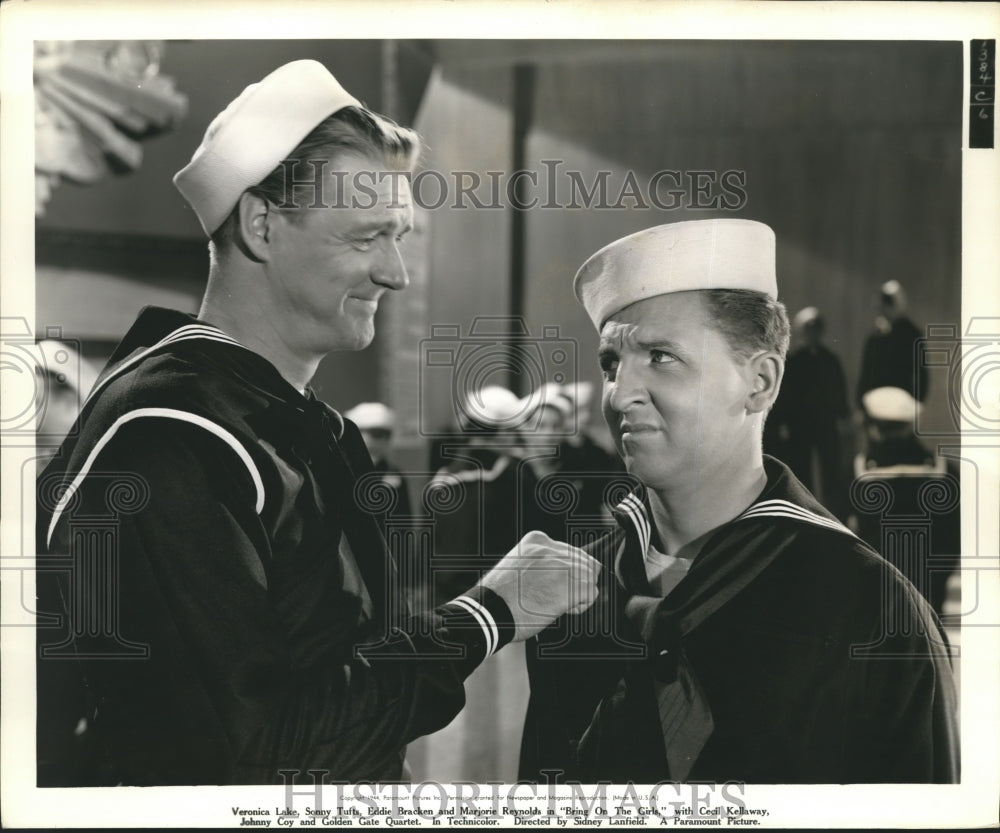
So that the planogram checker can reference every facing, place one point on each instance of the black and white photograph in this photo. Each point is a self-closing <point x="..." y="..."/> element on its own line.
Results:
<point x="452" y="414"/>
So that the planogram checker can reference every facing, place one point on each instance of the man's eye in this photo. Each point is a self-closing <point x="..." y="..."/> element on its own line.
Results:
<point x="661" y="357"/>
<point x="365" y="242"/>
<point x="609" y="366"/>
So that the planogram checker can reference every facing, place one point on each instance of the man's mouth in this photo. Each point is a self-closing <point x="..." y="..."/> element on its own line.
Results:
<point x="370" y="304"/>
<point x="631" y="429"/>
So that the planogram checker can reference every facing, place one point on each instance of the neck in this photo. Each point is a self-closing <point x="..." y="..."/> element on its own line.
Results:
<point x="236" y="308"/>
<point x="686" y="516"/>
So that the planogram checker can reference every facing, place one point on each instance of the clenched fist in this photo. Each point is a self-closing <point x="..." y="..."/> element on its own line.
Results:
<point x="542" y="579"/>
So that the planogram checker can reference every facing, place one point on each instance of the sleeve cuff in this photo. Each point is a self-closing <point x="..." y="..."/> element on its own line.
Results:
<point x="484" y="612"/>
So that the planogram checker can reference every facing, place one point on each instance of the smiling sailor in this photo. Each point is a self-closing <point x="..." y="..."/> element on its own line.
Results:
<point x="742" y="633"/>
<point x="233" y="609"/>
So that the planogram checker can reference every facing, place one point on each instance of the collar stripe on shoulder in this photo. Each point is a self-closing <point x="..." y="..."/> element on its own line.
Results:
<point x="786" y="509"/>
<point x="185" y="333"/>
<point x="161" y="413"/>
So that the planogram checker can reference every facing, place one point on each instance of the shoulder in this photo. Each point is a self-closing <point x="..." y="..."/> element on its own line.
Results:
<point x="831" y="582"/>
<point x="184" y="380"/>
<point x="172" y="396"/>
<point x="167" y="416"/>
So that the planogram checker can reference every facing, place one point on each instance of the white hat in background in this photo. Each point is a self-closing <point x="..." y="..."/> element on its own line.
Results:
<point x="579" y="393"/>
<point x="254" y="134"/>
<point x="891" y="405"/>
<point x="372" y="415"/>
<point x="805" y="316"/>
<point x="677" y="257"/>
<point x="551" y="395"/>
<point x="493" y="407"/>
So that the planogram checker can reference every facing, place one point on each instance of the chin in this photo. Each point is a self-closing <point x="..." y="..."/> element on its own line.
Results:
<point x="357" y="337"/>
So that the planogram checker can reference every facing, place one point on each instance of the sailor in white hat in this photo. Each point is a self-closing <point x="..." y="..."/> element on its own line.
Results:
<point x="377" y="423"/>
<point x="259" y="585"/>
<point x="692" y="348"/>
<point x="896" y="463"/>
<point x="745" y="593"/>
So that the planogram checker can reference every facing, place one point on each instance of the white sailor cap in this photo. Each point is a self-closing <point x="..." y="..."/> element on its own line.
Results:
<point x="372" y="415"/>
<point x="891" y="405"/>
<point x="549" y="395"/>
<point x="579" y="393"/>
<point x="804" y="317"/>
<point x="677" y="257"/>
<point x="493" y="407"/>
<point x="252" y="136"/>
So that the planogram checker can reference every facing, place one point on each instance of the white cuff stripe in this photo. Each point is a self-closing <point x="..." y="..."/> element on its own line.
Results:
<point x="462" y="602"/>
<point x="490" y="621"/>
<point x="485" y="620"/>
<point x="168" y="413"/>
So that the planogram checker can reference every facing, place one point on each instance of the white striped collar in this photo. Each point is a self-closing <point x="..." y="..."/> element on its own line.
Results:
<point x="188" y="332"/>
<point x="778" y="508"/>
<point x="634" y="509"/>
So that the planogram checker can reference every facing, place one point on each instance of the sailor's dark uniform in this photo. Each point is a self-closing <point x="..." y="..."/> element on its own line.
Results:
<point x="789" y="653"/>
<point x="236" y="613"/>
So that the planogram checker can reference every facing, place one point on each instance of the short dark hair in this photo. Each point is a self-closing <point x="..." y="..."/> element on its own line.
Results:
<point x="749" y="321"/>
<point x="350" y="130"/>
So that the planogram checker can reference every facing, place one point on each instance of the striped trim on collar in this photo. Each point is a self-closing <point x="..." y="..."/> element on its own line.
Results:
<point x="189" y="332"/>
<point x="633" y="508"/>
<point x="786" y="509"/>
<point x="163" y="413"/>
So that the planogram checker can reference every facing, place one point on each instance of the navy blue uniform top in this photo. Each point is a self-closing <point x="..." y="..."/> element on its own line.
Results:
<point x="232" y="605"/>
<point x="805" y="656"/>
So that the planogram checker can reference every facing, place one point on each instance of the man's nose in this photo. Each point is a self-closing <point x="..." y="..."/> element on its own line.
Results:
<point x="627" y="389"/>
<point x="390" y="271"/>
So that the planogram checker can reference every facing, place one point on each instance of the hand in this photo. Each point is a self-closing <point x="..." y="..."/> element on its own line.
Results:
<point x="542" y="579"/>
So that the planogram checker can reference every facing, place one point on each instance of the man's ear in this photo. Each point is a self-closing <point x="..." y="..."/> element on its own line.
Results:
<point x="255" y="217"/>
<point x="766" y="370"/>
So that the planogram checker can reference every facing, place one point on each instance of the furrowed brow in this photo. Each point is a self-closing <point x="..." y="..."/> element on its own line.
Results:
<point x="660" y="344"/>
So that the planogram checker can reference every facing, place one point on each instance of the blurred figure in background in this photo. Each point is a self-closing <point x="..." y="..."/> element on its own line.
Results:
<point x="889" y="357"/>
<point x="485" y="491"/>
<point x="558" y="445"/>
<point x="810" y="415"/>
<point x="484" y="499"/>
<point x="64" y="380"/>
<point x="923" y="491"/>
<point x="377" y="423"/>
<point x="546" y="413"/>
<point x="582" y="455"/>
